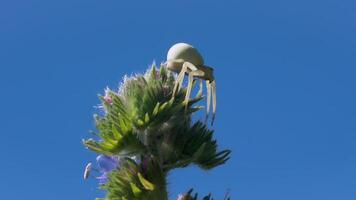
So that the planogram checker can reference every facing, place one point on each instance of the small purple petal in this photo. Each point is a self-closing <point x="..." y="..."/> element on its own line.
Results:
<point x="136" y="159"/>
<point x="107" y="163"/>
<point x="144" y="164"/>
<point x="103" y="179"/>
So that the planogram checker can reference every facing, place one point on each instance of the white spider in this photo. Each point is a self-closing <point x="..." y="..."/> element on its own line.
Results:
<point x="184" y="59"/>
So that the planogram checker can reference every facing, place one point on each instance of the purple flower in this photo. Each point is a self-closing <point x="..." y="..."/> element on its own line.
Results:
<point x="180" y="197"/>
<point x="144" y="164"/>
<point x="107" y="96"/>
<point x="106" y="165"/>
<point x="184" y="197"/>
<point x="103" y="179"/>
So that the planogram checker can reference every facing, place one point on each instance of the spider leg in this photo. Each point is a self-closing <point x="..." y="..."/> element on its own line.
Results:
<point x="208" y="99"/>
<point x="189" y="89"/>
<point x="187" y="67"/>
<point x="200" y="92"/>
<point x="179" y="80"/>
<point x="193" y="72"/>
<point x="213" y="89"/>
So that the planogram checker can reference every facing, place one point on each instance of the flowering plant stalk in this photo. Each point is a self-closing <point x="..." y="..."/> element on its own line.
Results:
<point x="144" y="133"/>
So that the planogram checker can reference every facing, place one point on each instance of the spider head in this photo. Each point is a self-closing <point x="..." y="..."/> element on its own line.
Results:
<point x="174" y="65"/>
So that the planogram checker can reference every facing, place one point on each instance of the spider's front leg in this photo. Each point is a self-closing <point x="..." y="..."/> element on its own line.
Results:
<point x="191" y="74"/>
<point x="186" y="68"/>
<point x="179" y="80"/>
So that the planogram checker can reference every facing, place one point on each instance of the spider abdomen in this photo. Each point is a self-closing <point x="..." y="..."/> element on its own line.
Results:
<point x="185" y="52"/>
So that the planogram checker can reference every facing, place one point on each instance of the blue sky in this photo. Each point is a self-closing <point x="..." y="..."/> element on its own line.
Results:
<point x="285" y="73"/>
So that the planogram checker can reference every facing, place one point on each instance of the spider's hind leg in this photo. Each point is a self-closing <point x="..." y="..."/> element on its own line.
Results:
<point x="213" y="90"/>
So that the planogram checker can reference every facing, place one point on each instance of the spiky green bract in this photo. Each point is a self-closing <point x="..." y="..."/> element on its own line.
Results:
<point x="131" y="181"/>
<point x="142" y="119"/>
<point x="189" y="196"/>
<point x="192" y="144"/>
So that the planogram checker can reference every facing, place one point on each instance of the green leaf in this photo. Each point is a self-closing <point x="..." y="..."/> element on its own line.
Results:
<point x="140" y="122"/>
<point x="116" y="133"/>
<point x="136" y="191"/>
<point x="199" y="152"/>
<point x="147" y="118"/>
<point x="145" y="183"/>
<point x="163" y="106"/>
<point x="155" y="110"/>
<point x="124" y="127"/>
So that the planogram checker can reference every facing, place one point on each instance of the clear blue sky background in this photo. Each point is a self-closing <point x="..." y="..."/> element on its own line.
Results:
<point x="286" y="91"/>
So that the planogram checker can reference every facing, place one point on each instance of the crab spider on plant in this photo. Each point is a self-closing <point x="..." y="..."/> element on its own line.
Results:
<point x="184" y="59"/>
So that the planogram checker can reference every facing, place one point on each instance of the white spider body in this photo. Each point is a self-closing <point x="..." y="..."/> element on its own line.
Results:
<point x="184" y="59"/>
